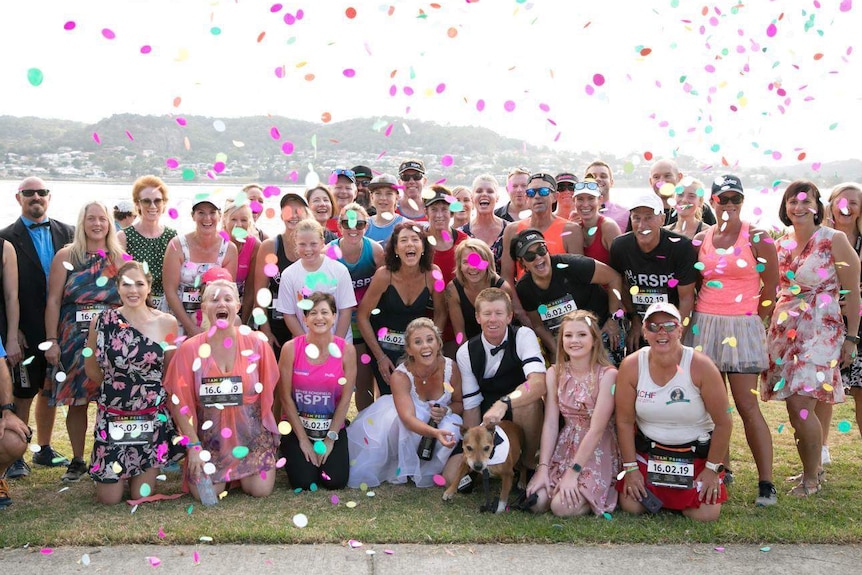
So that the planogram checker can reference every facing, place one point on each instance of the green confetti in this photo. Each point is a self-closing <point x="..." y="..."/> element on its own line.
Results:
<point x="35" y="76"/>
<point x="87" y="352"/>
<point x="844" y="426"/>
<point x="240" y="451"/>
<point x="146" y="490"/>
<point x="188" y="174"/>
<point x="215" y="31"/>
<point x="833" y="126"/>
<point x="319" y="448"/>
<point x="101" y="281"/>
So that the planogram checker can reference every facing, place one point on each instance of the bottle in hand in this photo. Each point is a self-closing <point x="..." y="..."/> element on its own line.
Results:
<point x="426" y="445"/>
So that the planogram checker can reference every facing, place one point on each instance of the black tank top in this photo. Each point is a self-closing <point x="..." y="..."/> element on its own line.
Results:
<point x="471" y="326"/>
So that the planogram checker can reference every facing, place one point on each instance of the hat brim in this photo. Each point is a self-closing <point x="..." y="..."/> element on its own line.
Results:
<point x="523" y="249"/>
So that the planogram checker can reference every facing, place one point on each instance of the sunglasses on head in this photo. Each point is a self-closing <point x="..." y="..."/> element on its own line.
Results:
<point x="347" y="173"/>
<point x="414" y="177"/>
<point x="540" y="252"/>
<point x="587" y="186"/>
<point x="667" y="326"/>
<point x="735" y="199"/>
<point x="354" y="224"/>
<point x="566" y="187"/>
<point x="31" y="193"/>
<point x="543" y="192"/>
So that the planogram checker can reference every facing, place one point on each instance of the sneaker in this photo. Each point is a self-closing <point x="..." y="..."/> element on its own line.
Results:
<point x="825" y="458"/>
<point x="76" y="469"/>
<point x="767" y="495"/>
<point x="47" y="457"/>
<point x="18" y="469"/>
<point x="5" y="500"/>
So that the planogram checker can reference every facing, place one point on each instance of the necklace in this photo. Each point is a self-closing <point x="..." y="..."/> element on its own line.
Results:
<point x="428" y="375"/>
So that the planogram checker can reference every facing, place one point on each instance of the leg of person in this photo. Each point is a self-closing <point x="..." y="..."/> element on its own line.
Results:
<point x="110" y="493"/>
<point x="148" y="479"/>
<point x="530" y="418"/>
<point x="856" y="392"/>
<point x="45" y="417"/>
<point x="808" y="433"/>
<point x="76" y="426"/>
<point x="364" y="393"/>
<point x="824" y="414"/>
<point x="18" y="468"/>
<point x="757" y="432"/>
<point x="631" y="505"/>
<point x="337" y="466"/>
<point x="300" y="472"/>
<point x="703" y="513"/>
<point x="543" y="501"/>
<point x="12" y="448"/>
<point x="260" y="484"/>
<point x="561" y="509"/>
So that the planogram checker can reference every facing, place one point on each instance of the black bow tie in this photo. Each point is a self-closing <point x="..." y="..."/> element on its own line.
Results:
<point x="45" y="224"/>
<point x="499" y="348"/>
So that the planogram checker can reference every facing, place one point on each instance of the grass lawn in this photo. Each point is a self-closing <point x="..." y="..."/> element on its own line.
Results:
<point x="44" y="514"/>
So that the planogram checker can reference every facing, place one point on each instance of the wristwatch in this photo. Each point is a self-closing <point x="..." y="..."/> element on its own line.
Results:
<point x="852" y="338"/>
<point x="577" y="468"/>
<point x="7" y="407"/>
<point x="716" y="467"/>
<point x="333" y="435"/>
<point x="508" y="402"/>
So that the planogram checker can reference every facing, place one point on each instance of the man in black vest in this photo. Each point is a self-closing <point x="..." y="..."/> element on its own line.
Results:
<point x="36" y="239"/>
<point x="502" y="376"/>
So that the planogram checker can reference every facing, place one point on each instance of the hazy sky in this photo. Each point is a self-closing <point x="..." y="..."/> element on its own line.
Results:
<point x="755" y="83"/>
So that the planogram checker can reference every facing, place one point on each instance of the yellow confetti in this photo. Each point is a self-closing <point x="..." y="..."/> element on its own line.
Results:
<point x="285" y="428"/>
<point x="731" y="341"/>
<point x="204" y="351"/>
<point x="827" y="387"/>
<point x="634" y="290"/>
<point x="755" y="392"/>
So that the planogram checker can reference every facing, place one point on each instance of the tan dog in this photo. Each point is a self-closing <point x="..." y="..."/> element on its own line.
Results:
<point x="479" y="450"/>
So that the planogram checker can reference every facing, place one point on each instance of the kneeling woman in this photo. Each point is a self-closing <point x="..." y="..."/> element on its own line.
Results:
<point x="386" y="439"/>
<point x="318" y="372"/>
<point x="673" y="423"/>
<point x="578" y="464"/>
<point x="222" y="383"/>
<point x="134" y="432"/>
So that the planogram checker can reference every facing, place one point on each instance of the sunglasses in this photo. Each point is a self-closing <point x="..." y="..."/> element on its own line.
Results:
<point x="354" y="224"/>
<point x="362" y="183"/>
<point x="735" y="199"/>
<point x="151" y="202"/>
<point x="543" y="192"/>
<point x="540" y="252"/>
<point x="586" y="185"/>
<point x="348" y="173"/>
<point x="31" y="193"/>
<point x="414" y="177"/>
<point x="566" y="187"/>
<point x="667" y="326"/>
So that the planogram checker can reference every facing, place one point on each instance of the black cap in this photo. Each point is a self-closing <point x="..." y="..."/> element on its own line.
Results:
<point x="567" y="177"/>
<point x="440" y="195"/>
<point x="726" y="183"/>
<point x="523" y="240"/>
<point x="417" y="165"/>
<point x="551" y="180"/>
<point x="362" y="172"/>
<point x="292" y="196"/>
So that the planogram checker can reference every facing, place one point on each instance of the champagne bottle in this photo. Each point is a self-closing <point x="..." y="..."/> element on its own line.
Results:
<point x="426" y="445"/>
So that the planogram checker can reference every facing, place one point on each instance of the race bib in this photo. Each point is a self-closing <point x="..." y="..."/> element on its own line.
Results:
<point x="191" y="298"/>
<point x="131" y="429"/>
<point x="274" y="313"/>
<point x="647" y="298"/>
<point x="552" y="314"/>
<point x="670" y="471"/>
<point x="158" y="301"/>
<point x="224" y="391"/>
<point x="87" y="313"/>
<point x="392" y="340"/>
<point x="315" y="425"/>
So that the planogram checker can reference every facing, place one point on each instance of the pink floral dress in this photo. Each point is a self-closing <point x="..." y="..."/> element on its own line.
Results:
<point x="597" y="480"/>
<point x="133" y="429"/>
<point x="807" y="330"/>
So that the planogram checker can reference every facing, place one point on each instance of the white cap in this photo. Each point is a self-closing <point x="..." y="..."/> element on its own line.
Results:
<point x="662" y="307"/>
<point x="648" y="200"/>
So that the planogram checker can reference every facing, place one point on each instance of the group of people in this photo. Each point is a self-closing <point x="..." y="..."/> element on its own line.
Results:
<point x="433" y="310"/>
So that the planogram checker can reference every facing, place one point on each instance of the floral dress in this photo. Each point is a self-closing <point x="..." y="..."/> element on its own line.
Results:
<point x="134" y="430"/>
<point x="597" y="479"/>
<point x="90" y="288"/>
<point x="807" y="330"/>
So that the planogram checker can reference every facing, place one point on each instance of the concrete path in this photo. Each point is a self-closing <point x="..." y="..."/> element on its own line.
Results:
<point x="376" y="559"/>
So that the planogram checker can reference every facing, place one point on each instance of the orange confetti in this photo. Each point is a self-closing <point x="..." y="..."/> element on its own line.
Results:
<point x="391" y="10"/>
<point x="392" y="73"/>
<point x="177" y="101"/>
<point x="791" y="334"/>
<point x="724" y="161"/>
<point x="187" y="143"/>
<point x="646" y="51"/>
<point x="350" y="12"/>
<point x="452" y="32"/>
<point x="436" y="6"/>
<point x="334" y="141"/>
<point x="326" y="117"/>
<point x="647" y="155"/>
<point x="260" y="37"/>
<point x="270" y="213"/>
<point x="801" y="156"/>
<point x="271" y="259"/>
<point x="704" y="11"/>
<point x="818" y="56"/>
<point x="309" y="77"/>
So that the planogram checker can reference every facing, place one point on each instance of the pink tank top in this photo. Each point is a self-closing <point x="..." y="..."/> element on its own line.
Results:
<point x="731" y="282"/>
<point x="243" y="260"/>
<point x="315" y="387"/>
<point x="597" y="249"/>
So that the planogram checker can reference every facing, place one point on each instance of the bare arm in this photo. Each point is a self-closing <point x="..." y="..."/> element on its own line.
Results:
<point x="544" y="334"/>
<point x="261" y="280"/>
<point x="847" y="268"/>
<point x="686" y="304"/>
<point x="230" y="259"/>
<point x="121" y="237"/>
<point x="91" y="364"/>
<point x="610" y="230"/>
<point x="250" y="292"/>
<point x="507" y="271"/>
<point x="10" y="293"/>
<point x="56" y="284"/>
<point x="441" y="312"/>
<point x="171" y="266"/>
<point x="573" y="238"/>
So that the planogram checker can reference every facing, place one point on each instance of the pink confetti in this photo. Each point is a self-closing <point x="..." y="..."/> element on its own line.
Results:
<point x="161" y="533"/>
<point x="771" y="30"/>
<point x="154" y="561"/>
<point x="480" y="105"/>
<point x="589" y="90"/>
<point x="172" y="163"/>
<point x="279" y="72"/>
<point x="408" y="90"/>
<point x="196" y="557"/>
<point x="446" y="160"/>
<point x="226" y="432"/>
<point x="96" y="138"/>
<point x="365" y="359"/>
<point x="129" y="135"/>
<point x="544" y="107"/>
<point x="389" y="551"/>
<point x="146" y="49"/>
<point x="393" y="89"/>
<point x="846" y="5"/>
<point x="598" y="79"/>
<point x="509" y="105"/>
<point x="274" y="133"/>
<point x="441" y="88"/>
<point x="354" y="543"/>
<point x="275" y="8"/>
<point x="287" y="148"/>
<point x="218" y="167"/>
<point x="803" y="414"/>
<point x="108" y="33"/>
<point x="173" y="213"/>
<point x="289" y="19"/>
<point x="181" y="121"/>
<point x="349" y="73"/>
<point x="46" y="551"/>
<point x="334" y="499"/>
<point x="70" y="25"/>
<point x="815" y="166"/>
<point x="439" y="480"/>
<point x="672" y="283"/>
<point x="388" y="131"/>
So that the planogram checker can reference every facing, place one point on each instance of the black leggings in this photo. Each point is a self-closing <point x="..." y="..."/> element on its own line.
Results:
<point x="302" y="474"/>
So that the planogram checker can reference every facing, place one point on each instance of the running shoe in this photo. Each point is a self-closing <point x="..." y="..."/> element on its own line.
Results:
<point x="18" y="469"/>
<point x="76" y="469"/>
<point x="5" y="500"/>
<point x="47" y="457"/>
<point x="767" y="495"/>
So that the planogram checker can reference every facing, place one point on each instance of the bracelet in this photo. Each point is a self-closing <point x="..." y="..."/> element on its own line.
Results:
<point x="541" y="464"/>
<point x="193" y="444"/>
<point x="630" y="465"/>
<point x="51" y="339"/>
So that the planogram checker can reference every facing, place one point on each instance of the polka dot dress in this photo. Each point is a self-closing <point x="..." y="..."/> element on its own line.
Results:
<point x="150" y="250"/>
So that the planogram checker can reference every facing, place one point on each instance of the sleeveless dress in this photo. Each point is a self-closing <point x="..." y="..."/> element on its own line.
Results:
<point x="468" y="310"/>
<point x="133" y="430"/>
<point x="152" y="251"/>
<point x="394" y="316"/>
<point x="597" y="480"/>
<point x="243" y="263"/>
<point x="496" y="247"/>
<point x="383" y="449"/>
<point x="191" y="273"/>
<point x="807" y="330"/>
<point x="90" y="288"/>
<point x="361" y="272"/>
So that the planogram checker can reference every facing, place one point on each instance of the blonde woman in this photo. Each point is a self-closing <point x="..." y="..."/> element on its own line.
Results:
<point x="238" y="224"/>
<point x="689" y="206"/>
